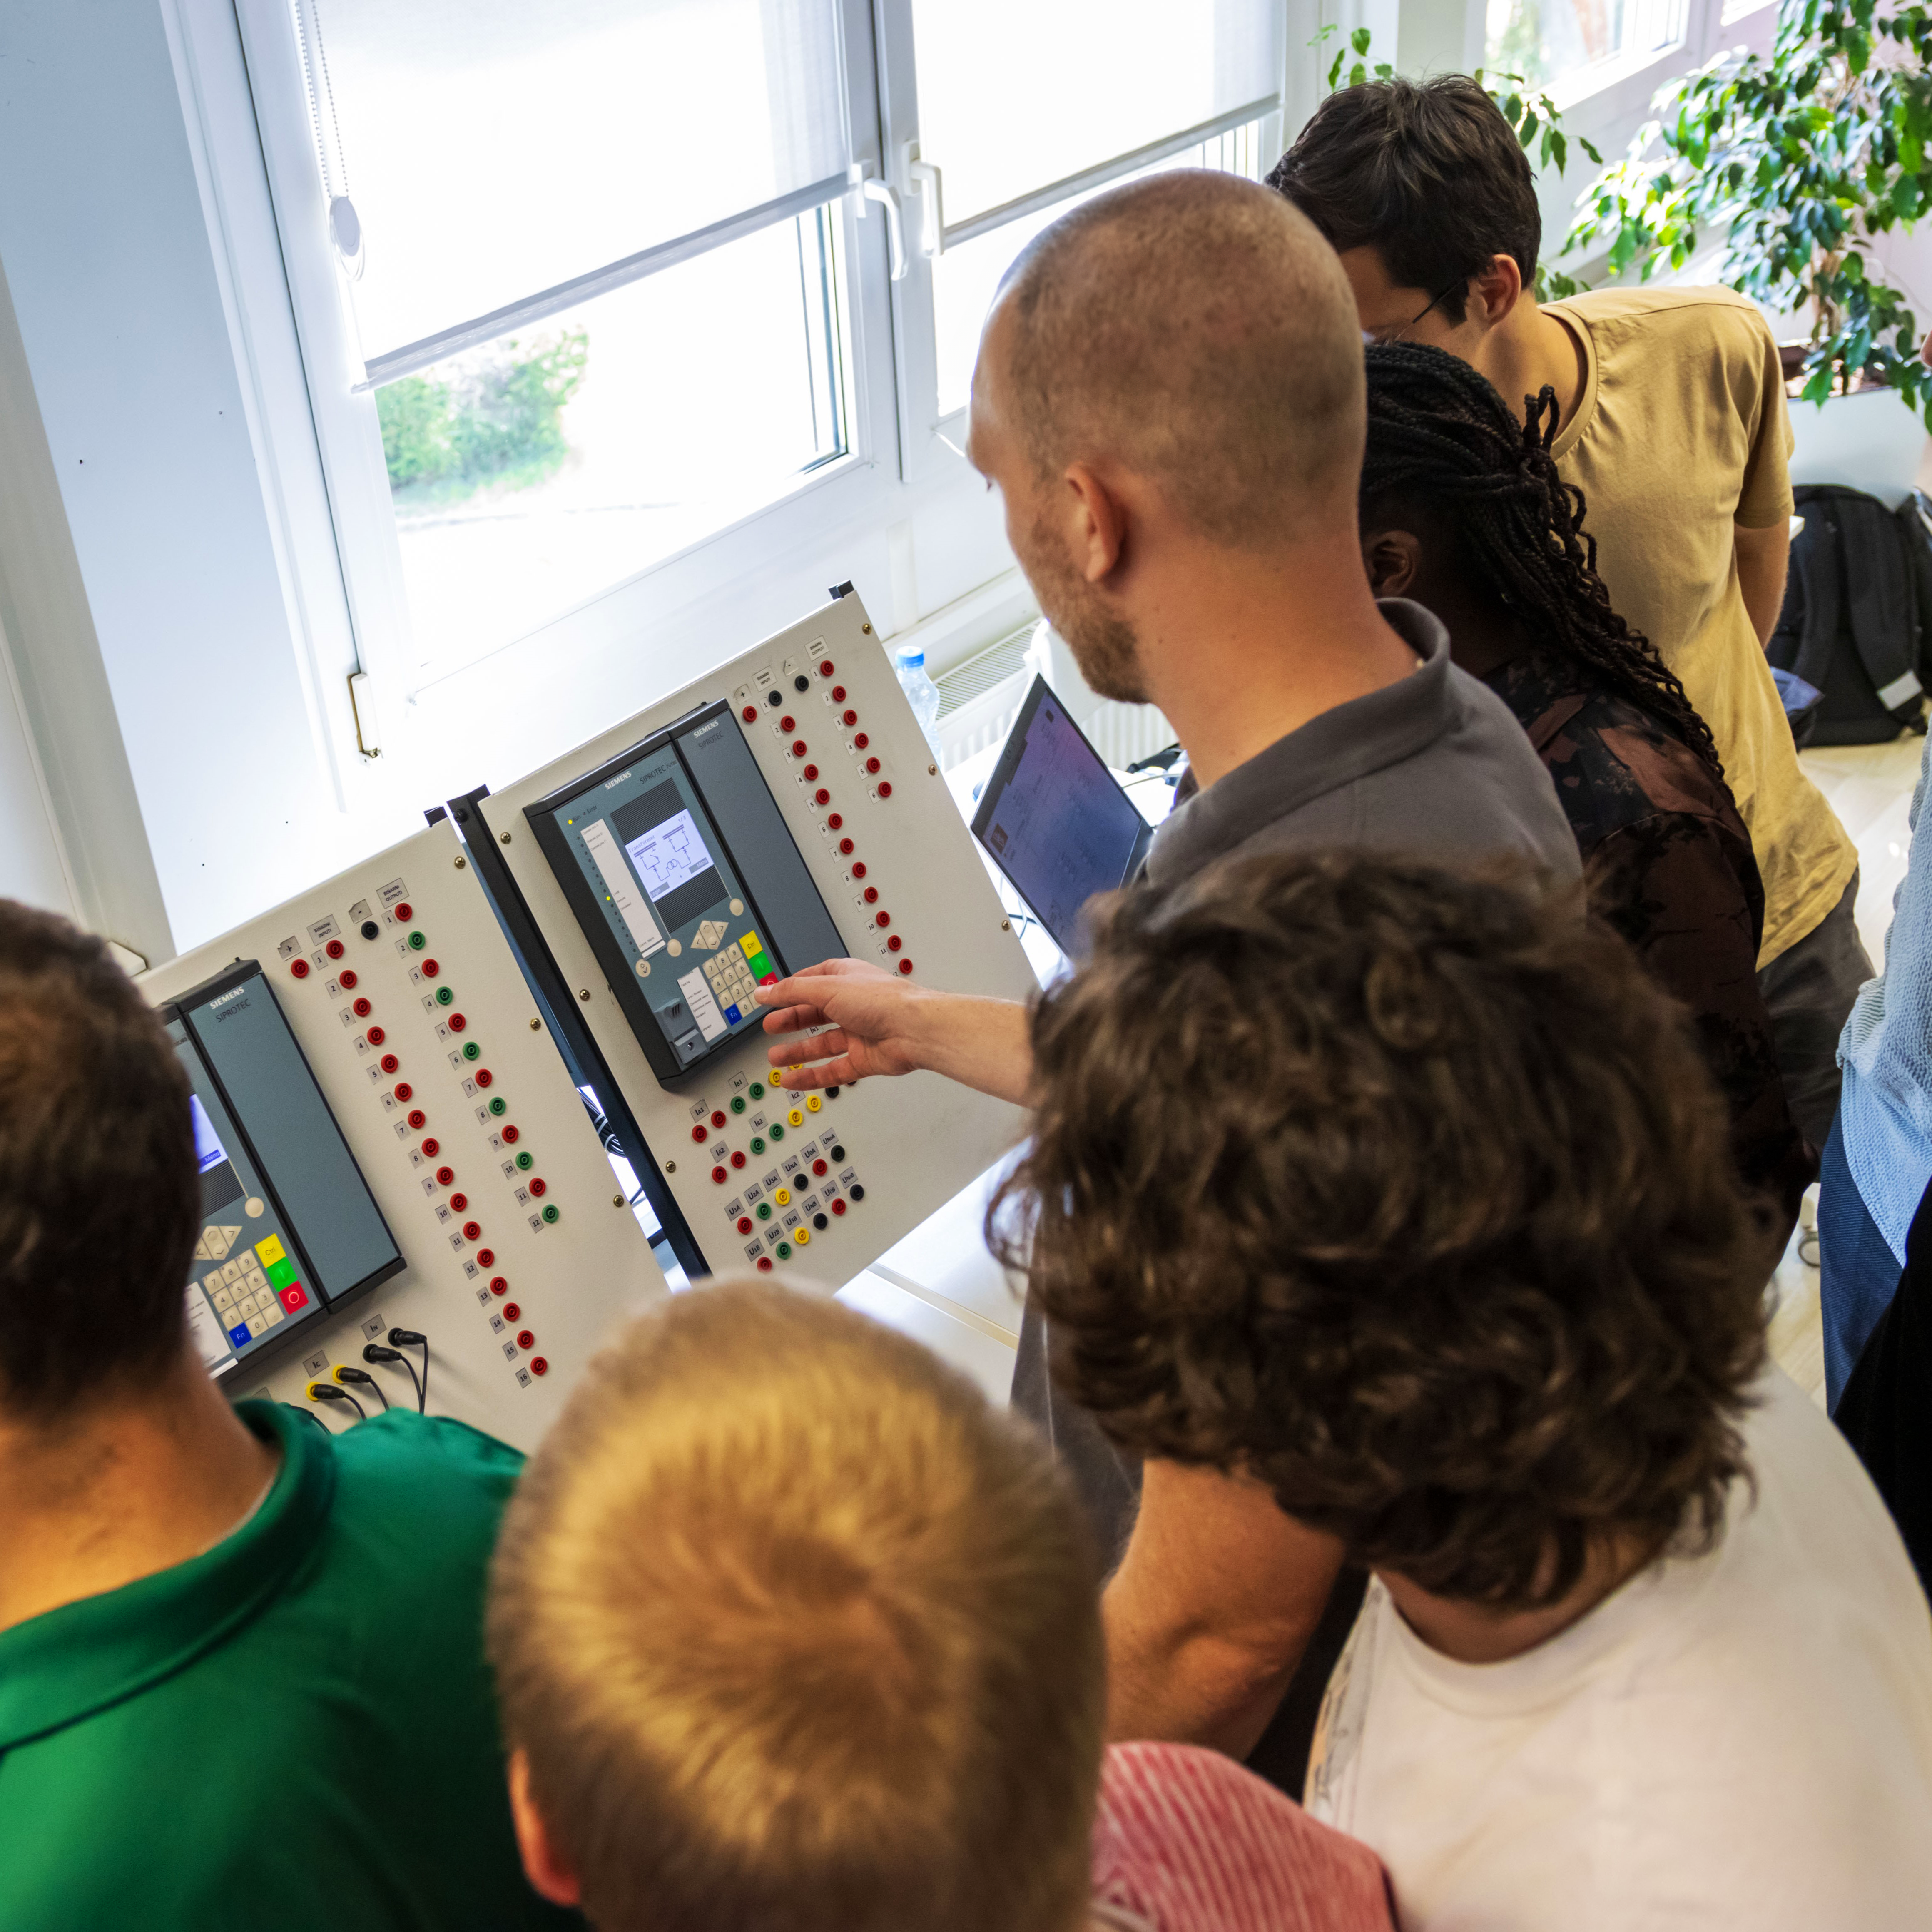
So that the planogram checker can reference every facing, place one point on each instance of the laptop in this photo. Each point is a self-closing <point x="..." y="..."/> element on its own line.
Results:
<point x="1055" y="820"/>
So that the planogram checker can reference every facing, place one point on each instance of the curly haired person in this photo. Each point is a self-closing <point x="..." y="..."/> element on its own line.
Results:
<point x="1393" y="1206"/>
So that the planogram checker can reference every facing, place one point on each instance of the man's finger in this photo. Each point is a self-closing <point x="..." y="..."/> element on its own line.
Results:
<point x="839" y="1073"/>
<point x="793" y="1019"/>
<point x="796" y="1051"/>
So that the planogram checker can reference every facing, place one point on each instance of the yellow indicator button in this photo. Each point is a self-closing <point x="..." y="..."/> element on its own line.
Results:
<point x="783" y="1197"/>
<point x="813" y="1103"/>
<point x="751" y="945"/>
<point x="795" y="1118"/>
<point x="803" y="1236"/>
<point x="271" y="1251"/>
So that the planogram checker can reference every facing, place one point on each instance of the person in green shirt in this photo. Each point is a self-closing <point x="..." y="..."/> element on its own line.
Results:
<point x="241" y="1671"/>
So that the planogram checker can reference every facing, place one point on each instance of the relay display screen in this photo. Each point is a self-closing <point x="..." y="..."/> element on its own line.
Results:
<point x="289" y="1227"/>
<point x="679" y="866"/>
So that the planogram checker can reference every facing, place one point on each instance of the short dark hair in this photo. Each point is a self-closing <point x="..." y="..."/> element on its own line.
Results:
<point x="1406" y="1192"/>
<point x="100" y="1194"/>
<point x="1427" y="173"/>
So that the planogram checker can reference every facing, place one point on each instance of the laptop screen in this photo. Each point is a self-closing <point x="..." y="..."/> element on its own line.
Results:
<point x="1054" y="818"/>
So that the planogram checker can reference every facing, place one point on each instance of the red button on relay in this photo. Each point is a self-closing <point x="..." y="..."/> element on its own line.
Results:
<point x="405" y="912"/>
<point x="512" y="1135"/>
<point x="430" y="968"/>
<point x="540" y="1188"/>
<point x="484" y="1078"/>
<point x="745" y="1224"/>
<point x="719" y="1175"/>
<point x="457" y="1022"/>
<point x="362" y="1009"/>
<point x="835" y="822"/>
<point x="818" y="1167"/>
<point x="418" y="1118"/>
<point x="700" y="1133"/>
<point x="850" y="717"/>
<point x="390" y="1063"/>
<point x="512" y="1311"/>
<point x="445" y="1175"/>
<point x="838" y="694"/>
<point x="798" y="747"/>
<point x="764" y="1265"/>
<point x="346" y="979"/>
<point x="471" y="1231"/>
<point x="498" y="1286"/>
<point x="737" y="1160"/>
<point x="431" y="1147"/>
<point x="885" y="788"/>
<point x="905" y="965"/>
<point x="457" y="1202"/>
<point x="539" y="1366"/>
<point x="787" y="724"/>
<point x="871" y="895"/>
<point x="860" y="741"/>
<point x="298" y="968"/>
<point x="333" y="949"/>
<point x="825" y="667"/>
<point x="750" y="714"/>
<point x="718" y="1118"/>
<point x="404" y="1091"/>
<point x="882" y="918"/>
<point x="821" y="796"/>
<point x="525" y="1340"/>
<point x="486" y="1257"/>
<point x="893" y="944"/>
<point x="871" y="764"/>
<point x="845" y="848"/>
<point x="858" y="869"/>
<point x="838" y="1206"/>
<point x="377" y="1036"/>
<point x="812" y="775"/>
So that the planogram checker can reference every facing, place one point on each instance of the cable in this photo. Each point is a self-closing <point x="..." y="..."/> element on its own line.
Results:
<point x="328" y="1392"/>
<point x="408" y="1338"/>
<point x="374" y="1351"/>
<point x="362" y="1378"/>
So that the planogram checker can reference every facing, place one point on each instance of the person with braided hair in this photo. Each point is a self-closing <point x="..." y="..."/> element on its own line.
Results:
<point x="1463" y="510"/>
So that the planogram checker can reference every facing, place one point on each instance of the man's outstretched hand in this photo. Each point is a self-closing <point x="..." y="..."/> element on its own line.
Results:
<point x="881" y="1022"/>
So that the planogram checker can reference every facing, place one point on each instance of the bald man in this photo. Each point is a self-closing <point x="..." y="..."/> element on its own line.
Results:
<point x="1170" y="400"/>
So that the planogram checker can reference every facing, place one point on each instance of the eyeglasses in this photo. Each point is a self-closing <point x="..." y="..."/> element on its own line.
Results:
<point x="1380" y="338"/>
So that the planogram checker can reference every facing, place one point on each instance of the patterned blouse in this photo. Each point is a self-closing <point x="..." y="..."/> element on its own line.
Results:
<point x="1668" y="863"/>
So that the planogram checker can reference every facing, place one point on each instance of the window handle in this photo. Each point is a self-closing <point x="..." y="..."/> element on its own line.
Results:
<point x="868" y="190"/>
<point x="924" y="175"/>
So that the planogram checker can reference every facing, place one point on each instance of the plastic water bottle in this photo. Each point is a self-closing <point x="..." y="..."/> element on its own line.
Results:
<point x="921" y="692"/>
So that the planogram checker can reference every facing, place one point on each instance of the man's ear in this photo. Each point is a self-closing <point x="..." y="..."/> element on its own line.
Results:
<point x="549" y="1876"/>
<point x="1096" y="522"/>
<point x="1494" y="291"/>
<point x="1392" y="558"/>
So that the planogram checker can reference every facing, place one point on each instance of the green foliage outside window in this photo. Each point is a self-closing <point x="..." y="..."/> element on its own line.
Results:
<point x="493" y="420"/>
<point x="1806" y="157"/>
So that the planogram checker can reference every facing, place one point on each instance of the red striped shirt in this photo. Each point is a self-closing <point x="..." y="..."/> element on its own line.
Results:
<point x="1187" y="1841"/>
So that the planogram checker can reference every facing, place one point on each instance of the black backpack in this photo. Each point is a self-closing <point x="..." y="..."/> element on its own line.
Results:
<point x="1857" y="621"/>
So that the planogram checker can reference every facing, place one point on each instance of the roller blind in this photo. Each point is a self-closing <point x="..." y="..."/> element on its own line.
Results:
<point x="490" y="162"/>
<point x="1018" y="99"/>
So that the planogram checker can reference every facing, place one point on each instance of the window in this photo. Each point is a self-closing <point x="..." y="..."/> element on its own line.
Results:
<point x="1559" y="43"/>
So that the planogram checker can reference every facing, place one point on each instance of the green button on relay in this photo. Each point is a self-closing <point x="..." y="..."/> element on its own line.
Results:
<point x="757" y="1092"/>
<point x="758" y="1144"/>
<point x="737" y="1103"/>
<point x="552" y="1213"/>
<point x="471" y="1050"/>
<point x="783" y="1251"/>
<point x="417" y="942"/>
<point x="526" y="1160"/>
<point x="764" y="1210"/>
<point x="444" y="996"/>
<point x="499" y="1106"/>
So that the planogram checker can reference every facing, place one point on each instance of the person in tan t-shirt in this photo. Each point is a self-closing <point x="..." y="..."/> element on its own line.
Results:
<point x="1673" y="426"/>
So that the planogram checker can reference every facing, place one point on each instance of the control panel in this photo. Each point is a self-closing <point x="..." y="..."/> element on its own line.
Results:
<point x="783" y="809"/>
<point x="460" y="1141"/>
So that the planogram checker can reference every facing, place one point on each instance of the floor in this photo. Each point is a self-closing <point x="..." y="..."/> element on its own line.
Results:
<point x="1870" y="786"/>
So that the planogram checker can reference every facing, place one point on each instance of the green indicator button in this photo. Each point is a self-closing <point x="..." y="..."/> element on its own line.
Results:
<point x="783" y="1251"/>
<point x="444" y="996"/>
<point x="526" y="1160"/>
<point x="737" y="1103"/>
<point x="499" y="1106"/>
<point x="283" y="1273"/>
<point x="777" y="1132"/>
<point x="552" y="1213"/>
<point x="760" y="964"/>
<point x="758" y="1144"/>
<point x="471" y="1050"/>
<point x="417" y="942"/>
<point x="757" y="1092"/>
<point x="764" y="1210"/>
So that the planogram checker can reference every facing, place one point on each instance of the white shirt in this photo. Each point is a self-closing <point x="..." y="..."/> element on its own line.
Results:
<point x="1741" y="1739"/>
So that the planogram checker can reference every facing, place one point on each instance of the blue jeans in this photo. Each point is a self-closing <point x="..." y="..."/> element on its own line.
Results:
<point x="1857" y="1271"/>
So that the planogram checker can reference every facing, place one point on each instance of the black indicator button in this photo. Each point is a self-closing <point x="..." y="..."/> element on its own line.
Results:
<point x="801" y="682"/>
<point x="370" y="930"/>
<point x="855" y="1192"/>
<point x="774" y="698"/>
<point x="837" y="1154"/>
<point x="821" y="1222"/>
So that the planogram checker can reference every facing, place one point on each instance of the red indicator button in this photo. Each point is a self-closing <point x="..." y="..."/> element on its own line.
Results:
<point x="404" y="1091"/>
<point x="432" y="1148"/>
<point x="418" y="1118"/>
<point x="882" y="918"/>
<point x="871" y="764"/>
<point x="718" y="1119"/>
<point x="405" y="912"/>
<point x="905" y="965"/>
<point x="812" y="775"/>
<point x="764" y="1265"/>
<point x="861" y="741"/>
<point x="362" y="1009"/>
<point x="838" y="694"/>
<point x="377" y="1036"/>
<point x="484" y="1078"/>
<point x="445" y="1175"/>
<point x="512" y="1311"/>
<point x="512" y="1135"/>
<point x="835" y="821"/>
<point x="299" y="968"/>
<point x="893" y="944"/>
<point x="821" y="796"/>
<point x="719" y="1175"/>
<point x="825" y="667"/>
<point x="346" y="979"/>
<point x="838" y="1206"/>
<point x="539" y="1366"/>
<point x="750" y="714"/>
<point x="498" y="1286"/>
<point x="885" y="788"/>
<point x="787" y="724"/>
<point x="700" y="1133"/>
<point x="333" y="949"/>
<point x="849" y="717"/>
<point x="798" y="747"/>
<point x="818" y="1167"/>
<point x="525" y="1340"/>
<point x="871" y="895"/>
<point x="737" y="1160"/>
<point x="486" y="1257"/>
<point x="539" y="1188"/>
<point x="430" y="968"/>
<point x="458" y="1202"/>
<point x="858" y="869"/>
<point x="845" y="848"/>
<point x="457" y="1022"/>
<point x="745" y="1224"/>
<point x="473" y="1231"/>
<point x="390" y="1063"/>
<point x="294" y="1296"/>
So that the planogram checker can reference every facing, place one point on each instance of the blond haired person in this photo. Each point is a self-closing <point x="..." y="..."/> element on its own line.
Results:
<point x="793" y="1633"/>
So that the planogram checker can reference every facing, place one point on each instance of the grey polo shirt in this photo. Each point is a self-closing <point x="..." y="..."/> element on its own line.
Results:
<point x="1435" y="765"/>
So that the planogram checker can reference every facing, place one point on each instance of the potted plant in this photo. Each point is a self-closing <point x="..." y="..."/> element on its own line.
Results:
<point x="1807" y="156"/>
